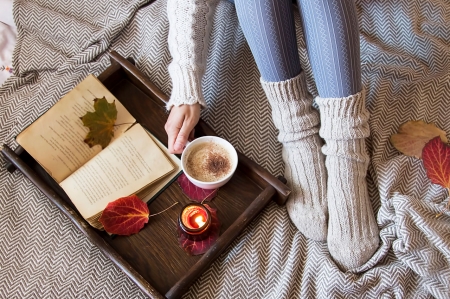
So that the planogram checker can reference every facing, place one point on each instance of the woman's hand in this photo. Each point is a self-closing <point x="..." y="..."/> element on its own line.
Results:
<point x="180" y="126"/>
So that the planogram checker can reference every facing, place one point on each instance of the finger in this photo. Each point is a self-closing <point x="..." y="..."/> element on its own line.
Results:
<point x="182" y="136"/>
<point x="172" y="136"/>
<point x="172" y="132"/>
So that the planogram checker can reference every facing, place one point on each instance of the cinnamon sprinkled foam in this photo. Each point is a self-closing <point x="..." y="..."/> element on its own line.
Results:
<point x="208" y="162"/>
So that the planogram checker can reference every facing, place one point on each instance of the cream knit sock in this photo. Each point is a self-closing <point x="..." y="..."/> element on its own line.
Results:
<point x="305" y="172"/>
<point x="353" y="231"/>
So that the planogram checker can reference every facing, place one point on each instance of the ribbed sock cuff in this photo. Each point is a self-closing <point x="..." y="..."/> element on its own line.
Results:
<point x="344" y="118"/>
<point x="292" y="110"/>
<point x="286" y="91"/>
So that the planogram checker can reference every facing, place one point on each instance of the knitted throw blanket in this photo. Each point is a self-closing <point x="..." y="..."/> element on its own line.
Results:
<point x="405" y="58"/>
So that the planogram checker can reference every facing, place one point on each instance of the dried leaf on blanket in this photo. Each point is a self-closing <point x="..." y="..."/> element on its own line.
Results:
<point x="413" y="135"/>
<point x="436" y="160"/>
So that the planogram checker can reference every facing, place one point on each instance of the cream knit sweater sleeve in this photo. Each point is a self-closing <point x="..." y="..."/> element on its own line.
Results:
<point x="190" y="23"/>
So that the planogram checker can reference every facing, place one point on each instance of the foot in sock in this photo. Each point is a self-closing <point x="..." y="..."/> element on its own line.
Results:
<point x="305" y="172"/>
<point x="352" y="228"/>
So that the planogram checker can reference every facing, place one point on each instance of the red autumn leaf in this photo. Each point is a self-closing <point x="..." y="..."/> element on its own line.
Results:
<point x="436" y="160"/>
<point x="200" y="247"/>
<point x="125" y="216"/>
<point x="193" y="192"/>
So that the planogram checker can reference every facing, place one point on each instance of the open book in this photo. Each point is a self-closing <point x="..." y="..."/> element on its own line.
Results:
<point x="134" y="162"/>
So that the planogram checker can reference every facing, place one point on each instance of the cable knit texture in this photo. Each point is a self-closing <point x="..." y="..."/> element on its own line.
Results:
<point x="190" y="23"/>
<point x="305" y="172"/>
<point x="352" y="228"/>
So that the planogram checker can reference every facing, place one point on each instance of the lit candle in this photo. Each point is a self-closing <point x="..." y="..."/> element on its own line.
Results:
<point x="194" y="221"/>
<point x="200" y="220"/>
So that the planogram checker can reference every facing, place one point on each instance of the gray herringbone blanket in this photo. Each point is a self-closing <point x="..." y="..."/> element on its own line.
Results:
<point x="406" y="62"/>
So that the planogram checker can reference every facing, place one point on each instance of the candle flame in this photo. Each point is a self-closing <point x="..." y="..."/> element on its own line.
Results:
<point x="200" y="221"/>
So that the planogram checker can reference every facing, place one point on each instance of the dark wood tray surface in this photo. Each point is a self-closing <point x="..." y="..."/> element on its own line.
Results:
<point x="152" y="258"/>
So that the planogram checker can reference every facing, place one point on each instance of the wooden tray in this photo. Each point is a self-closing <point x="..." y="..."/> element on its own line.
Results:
<point x="152" y="258"/>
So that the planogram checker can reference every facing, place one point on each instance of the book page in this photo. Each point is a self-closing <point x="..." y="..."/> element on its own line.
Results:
<point x="149" y="193"/>
<point x="128" y="164"/>
<point x="56" y="139"/>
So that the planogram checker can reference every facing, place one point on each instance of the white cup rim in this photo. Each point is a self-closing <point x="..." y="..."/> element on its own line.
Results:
<point x="210" y="138"/>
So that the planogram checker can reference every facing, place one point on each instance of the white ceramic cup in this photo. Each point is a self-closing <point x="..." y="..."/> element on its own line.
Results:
<point x="207" y="139"/>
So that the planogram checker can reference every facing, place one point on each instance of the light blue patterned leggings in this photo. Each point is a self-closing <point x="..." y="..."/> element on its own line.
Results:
<point x="332" y="41"/>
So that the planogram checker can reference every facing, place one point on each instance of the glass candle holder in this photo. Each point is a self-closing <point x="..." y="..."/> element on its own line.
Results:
<point x="194" y="221"/>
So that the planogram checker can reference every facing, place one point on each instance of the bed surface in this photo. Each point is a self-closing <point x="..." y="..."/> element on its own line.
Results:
<point x="7" y="43"/>
<point x="405" y="58"/>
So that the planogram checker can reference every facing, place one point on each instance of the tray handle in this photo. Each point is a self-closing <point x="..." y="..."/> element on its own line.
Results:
<point x="10" y="166"/>
<point x="81" y="224"/>
<point x="141" y="80"/>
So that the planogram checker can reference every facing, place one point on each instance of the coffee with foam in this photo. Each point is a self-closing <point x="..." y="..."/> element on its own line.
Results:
<point x="208" y="162"/>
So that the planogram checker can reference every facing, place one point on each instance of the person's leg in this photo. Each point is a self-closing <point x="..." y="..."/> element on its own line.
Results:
<point x="268" y="26"/>
<point x="332" y="40"/>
